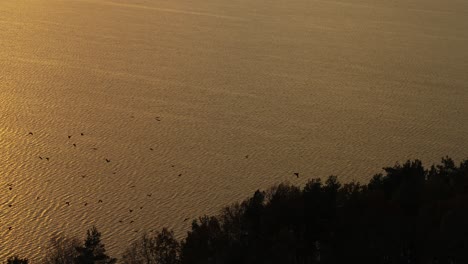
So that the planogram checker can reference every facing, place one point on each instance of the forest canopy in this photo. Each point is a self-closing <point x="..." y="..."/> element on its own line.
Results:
<point x="407" y="214"/>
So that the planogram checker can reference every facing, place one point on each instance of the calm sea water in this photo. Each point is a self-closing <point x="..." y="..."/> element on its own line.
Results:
<point x="196" y="104"/>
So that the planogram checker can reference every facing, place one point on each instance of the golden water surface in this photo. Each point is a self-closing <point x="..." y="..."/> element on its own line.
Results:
<point x="197" y="103"/>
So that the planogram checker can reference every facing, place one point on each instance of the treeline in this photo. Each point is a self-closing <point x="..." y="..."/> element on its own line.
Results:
<point x="408" y="214"/>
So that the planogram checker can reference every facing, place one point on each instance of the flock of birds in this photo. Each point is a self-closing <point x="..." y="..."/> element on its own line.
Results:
<point x="107" y="160"/>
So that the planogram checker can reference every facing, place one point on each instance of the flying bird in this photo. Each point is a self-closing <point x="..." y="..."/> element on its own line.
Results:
<point x="30" y="133"/>
<point x="100" y="201"/>
<point x="68" y="203"/>
<point x="108" y="160"/>
<point x="297" y="174"/>
<point x="69" y="137"/>
<point x="82" y="134"/>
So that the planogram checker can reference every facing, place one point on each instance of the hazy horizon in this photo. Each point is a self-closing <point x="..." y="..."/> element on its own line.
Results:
<point x="196" y="104"/>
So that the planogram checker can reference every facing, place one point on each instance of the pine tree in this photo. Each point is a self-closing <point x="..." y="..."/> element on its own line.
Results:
<point x="93" y="251"/>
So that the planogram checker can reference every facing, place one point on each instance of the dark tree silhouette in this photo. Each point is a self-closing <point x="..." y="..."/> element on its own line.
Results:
<point x="62" y="250"/>
<point x="17" y="260"/>
<point x="161" y="248"/>
<point x="140" y="251"/>
<point x="407" y="214"/>
<point x="204" y="242"/>
<point x="167" y="247"/>
<point x="93" y="250"/>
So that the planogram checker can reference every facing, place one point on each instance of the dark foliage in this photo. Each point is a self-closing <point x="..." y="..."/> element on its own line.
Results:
<point x="93" y="251"/>
<point x="17" y="260"/>
<point x="160" y="248"/>
<point x="61" y="250"/>
<point x="407" y="215"/>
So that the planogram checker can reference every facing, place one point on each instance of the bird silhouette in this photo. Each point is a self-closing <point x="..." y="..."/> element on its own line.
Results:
<point x="130" y="210"/>
<point x="30" y="133"/>
<point x="151" y="149"/>
<point x="83" y="176"/>
<point x="94" y="148"/>
<point x="10" y="205"/>
<point x="69" y="137"/>
<point x="74" y="145"/>
<point x="149" y="194"/>
<point x="297" y="174"/>
<point x="9" y="228"/>
<point x="82" y="134"/>
<point x="10" y="188"/>
<point x="131" y="221"/>
<point x="68" y="203"/>
<point x="108" y="160"/>
<point x="157" y="118"/>
<point x="85" y="204"/>
<point x="185" y="220"/>
<point x="40" y="157"/>
<point x="180" y="174"/>
<point x="47" y="159"/>
<point x="141" y="207"/>
<point x="100" y="201"/>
